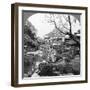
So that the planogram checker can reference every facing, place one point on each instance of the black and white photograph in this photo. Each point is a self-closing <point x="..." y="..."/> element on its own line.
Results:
<point x="50" y="44"/>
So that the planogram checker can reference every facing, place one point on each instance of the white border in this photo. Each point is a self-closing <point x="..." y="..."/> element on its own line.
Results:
<point x="60" y="79"/>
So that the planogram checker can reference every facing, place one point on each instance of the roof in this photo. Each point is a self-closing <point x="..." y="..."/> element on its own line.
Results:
<point x="55" y="34"/>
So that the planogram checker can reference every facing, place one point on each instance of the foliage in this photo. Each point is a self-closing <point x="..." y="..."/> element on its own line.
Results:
<point x="64" y="24"/>
<point x="66" y="61"/>
<point x="60" y="59"/>
<point x="30" y="39"/>
<point x="30" y="44"/>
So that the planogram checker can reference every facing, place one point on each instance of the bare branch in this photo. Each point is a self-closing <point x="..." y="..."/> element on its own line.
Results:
<point x="64" y="25"/>
<point x="52" y="19"/>
<point x="58" y="28"/>
<point x="65" y="18"/>
<point x="69" y="19"/>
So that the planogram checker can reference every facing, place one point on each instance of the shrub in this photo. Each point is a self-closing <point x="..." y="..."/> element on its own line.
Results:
<point x="68" y="69"/>
<point x="44" y="69"/>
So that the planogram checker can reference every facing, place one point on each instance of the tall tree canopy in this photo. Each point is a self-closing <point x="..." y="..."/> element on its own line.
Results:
<point x="64" y="23"/>
<point x="30" y="38"/>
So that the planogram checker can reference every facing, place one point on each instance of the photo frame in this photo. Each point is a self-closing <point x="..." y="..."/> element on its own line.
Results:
<point x="48" y="44"/>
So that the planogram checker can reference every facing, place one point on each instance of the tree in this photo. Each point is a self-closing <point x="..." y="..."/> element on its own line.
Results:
<point x="63" y="23"/>
<point x="30" y="39"/>
<point x="30" y="44"/>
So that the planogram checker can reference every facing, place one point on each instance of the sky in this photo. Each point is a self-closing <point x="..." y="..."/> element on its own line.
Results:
<point x="43" y="27"/>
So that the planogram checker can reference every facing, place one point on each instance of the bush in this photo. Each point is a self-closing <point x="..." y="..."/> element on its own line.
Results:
<point x="60" y="68"/>
<point x="46" y="69"/>
<point x="67" y="69"/>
